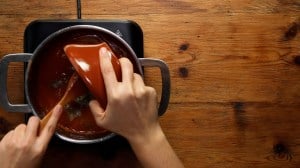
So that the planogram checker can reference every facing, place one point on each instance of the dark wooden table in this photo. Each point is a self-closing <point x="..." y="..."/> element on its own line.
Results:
<point x="234" y="66"/>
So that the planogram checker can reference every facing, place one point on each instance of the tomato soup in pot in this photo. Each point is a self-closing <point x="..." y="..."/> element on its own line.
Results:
<point x="49" y="76"/>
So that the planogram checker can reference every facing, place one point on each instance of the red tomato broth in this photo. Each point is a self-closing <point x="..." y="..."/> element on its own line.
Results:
<point x="48" y="77"/>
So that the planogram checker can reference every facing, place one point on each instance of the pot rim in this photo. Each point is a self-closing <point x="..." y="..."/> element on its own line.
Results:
<point x="51" y="37"/>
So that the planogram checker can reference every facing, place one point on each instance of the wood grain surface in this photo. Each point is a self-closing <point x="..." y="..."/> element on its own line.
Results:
<point x="234" y="65"/>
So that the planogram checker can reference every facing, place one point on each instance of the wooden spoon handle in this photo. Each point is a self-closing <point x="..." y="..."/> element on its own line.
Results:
<point x="69" y="95"/>
<point x="44" y="121"/>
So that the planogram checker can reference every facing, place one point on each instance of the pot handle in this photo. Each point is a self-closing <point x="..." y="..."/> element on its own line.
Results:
<point x="165" y="76"/>
<point x="4" y="102"/>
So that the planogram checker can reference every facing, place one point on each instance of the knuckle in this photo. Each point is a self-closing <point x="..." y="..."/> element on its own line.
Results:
<point x="10" y="144"/>
<point x="22" y="146"/>
<point x="121" y="93"/>
<point x="138" y="76"/>
<point x="38" y="151"/>
<point x="21" y="126"/>
<point x="140" y="93"/>
<point x="33" y="119"/>
<point x="51" y="129"/>
<point x="114" y="97"/>
<point x="151" y="91"/>
<point x="125" y="61"/>
<point x="129" y="95"/>
<point x="107" y="69"/>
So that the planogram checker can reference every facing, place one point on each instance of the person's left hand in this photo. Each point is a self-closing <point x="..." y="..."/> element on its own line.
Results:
<point x="25" y="145"/>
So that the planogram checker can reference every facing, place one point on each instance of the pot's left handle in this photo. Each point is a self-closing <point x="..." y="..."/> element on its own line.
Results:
<point x="4" y="102"/>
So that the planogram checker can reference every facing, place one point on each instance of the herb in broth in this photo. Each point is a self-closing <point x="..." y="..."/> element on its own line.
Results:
<point x="60" y="82"/>
<point x="57" y="84"/>
<point x="72" y="111"/>
<point x="83" y="100"/>
<point x="73" y="108"/>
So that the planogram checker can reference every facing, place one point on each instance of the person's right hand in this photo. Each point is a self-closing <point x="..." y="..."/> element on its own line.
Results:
<point x="132" y="112"/>
<point x="132" y="107"/>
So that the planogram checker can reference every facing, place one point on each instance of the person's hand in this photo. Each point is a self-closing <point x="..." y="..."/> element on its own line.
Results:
<point x="132" y="112"/>
<point x="132" y="107"/>
<point x="24" y="146"/>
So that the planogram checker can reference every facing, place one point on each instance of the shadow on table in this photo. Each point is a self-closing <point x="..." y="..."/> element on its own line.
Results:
<point x="115" y="152"/>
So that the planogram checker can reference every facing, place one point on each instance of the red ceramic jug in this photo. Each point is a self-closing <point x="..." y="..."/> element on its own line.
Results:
<point x="85" y="60"/>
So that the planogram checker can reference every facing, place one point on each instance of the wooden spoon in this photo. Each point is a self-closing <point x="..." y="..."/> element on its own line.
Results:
<point x="74" y="89"/>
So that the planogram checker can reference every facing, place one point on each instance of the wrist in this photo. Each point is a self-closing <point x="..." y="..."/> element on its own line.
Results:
<point x="154" y="151"/>
<point x="148" y="141"/>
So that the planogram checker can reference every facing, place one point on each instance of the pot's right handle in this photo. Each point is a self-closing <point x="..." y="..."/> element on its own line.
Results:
<point x="4" y="102"/>
<point x="165" y="76"/>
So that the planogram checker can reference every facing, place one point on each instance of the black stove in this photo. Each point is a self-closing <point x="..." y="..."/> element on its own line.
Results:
<point x="38" y="30"/>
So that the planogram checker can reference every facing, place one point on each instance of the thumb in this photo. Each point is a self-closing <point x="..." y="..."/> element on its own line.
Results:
<point x="97" y="111"/>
